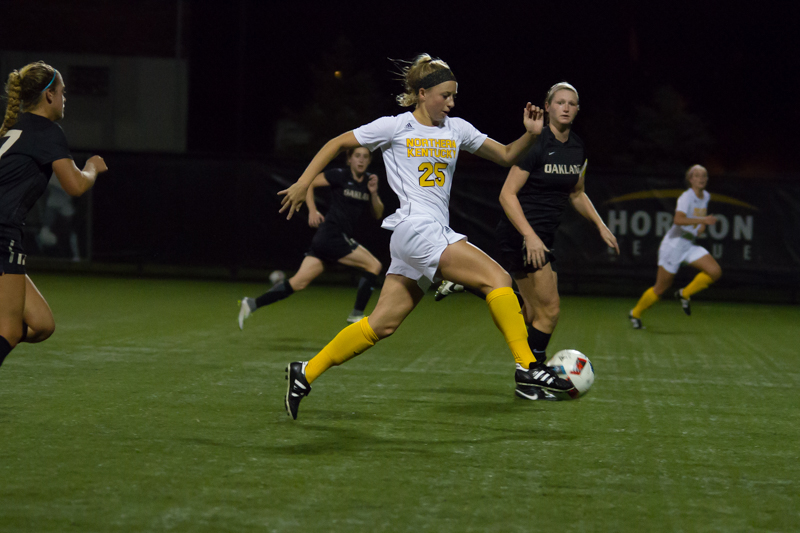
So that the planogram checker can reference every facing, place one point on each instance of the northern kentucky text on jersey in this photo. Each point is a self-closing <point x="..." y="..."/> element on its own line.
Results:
<point x="562" y="169"/>
<point x="444" y="148"/>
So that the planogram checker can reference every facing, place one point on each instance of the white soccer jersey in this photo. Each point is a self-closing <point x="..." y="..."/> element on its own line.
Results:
<point x="694" y="207"/>
<point x="420" y="161"/>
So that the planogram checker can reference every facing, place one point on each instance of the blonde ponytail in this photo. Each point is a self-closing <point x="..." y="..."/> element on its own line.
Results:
<point x="24" y="90"/>
<point x="12" y="102"/>
<point x="413" y="73"/>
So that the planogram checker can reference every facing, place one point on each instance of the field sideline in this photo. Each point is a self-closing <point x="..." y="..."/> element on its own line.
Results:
<point x="149" y="410"/>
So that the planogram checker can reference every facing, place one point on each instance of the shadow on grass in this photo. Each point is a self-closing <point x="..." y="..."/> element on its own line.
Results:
<point x="424" y="437"/>
<point x="472" y="391"/>
<point x="672" y="333"/>
<point x="291" y="345"/>
<point x="329" y="440"/>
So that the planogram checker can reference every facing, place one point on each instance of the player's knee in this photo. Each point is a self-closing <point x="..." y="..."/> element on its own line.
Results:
<point x="715" y="273"/>
<point x="659" y="290"/>
<point x="299" y="284"/>
<point x="385" y="330"/>
<point x="500" y="279"/>
<point x="46" y="331"/>
<point x="375" y="267"/>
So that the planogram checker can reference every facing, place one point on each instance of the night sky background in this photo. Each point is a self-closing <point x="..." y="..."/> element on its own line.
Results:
<point x="662" y="85"/>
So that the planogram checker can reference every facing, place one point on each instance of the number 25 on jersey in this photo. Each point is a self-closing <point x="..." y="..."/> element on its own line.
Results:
<point x="432" y="174"/>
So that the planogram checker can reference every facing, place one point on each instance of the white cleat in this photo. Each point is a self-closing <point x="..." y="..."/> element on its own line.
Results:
<point x="353" y="318"/>
<point x="447" y="288"/>
<point x="246" y="307"/>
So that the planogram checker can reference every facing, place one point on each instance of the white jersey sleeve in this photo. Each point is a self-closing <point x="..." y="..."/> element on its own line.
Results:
<point x="692" y="207"/>
<point x="684" y="203"/>
<point x="470" y="138"/>
<point x="376" y="134"/>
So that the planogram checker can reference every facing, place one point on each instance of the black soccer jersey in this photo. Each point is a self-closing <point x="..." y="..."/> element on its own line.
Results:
<point x="348" y="198"/>
<point x="27" y="152"/>
<point x="554" y="169"/>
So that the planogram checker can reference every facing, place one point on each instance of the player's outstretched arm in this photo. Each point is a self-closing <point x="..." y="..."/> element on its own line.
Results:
<point x="580" y="201"/>
<point x="295" y="195"/>
<point x="315" y="218"/>
<point x="507" y="155"/>
<point x="76" y="182"/>
<point x="535" y="248"/>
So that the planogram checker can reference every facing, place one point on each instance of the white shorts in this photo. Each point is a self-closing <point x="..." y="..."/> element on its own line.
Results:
<point x="416" y="246"/>
<point x="673" y="252"/>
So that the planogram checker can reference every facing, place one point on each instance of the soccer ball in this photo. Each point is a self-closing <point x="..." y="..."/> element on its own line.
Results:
<point x="573" y="366"/>
<point x="277" y="276"/>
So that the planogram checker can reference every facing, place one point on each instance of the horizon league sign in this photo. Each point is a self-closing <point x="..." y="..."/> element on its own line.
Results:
<point x="641" y="219"/>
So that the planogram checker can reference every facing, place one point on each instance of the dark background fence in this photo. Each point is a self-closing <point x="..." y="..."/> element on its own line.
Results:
<point x="221" y="214"/>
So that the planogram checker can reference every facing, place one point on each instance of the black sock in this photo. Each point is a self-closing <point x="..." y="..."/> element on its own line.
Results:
<point x="538" y="342"/>
<point x="365" y="287"/>
<point x="5" y="349"/>
<point x="278" y="292"/>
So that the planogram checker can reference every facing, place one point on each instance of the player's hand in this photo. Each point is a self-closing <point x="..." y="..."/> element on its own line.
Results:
<point x="535" y="250"/>
<point x="98" y="163"/>
<point x="533" y="119"/>
<point x="609" y="238"/>
<point x="293" y="199"/>
<point x="315" y="219"/>
<point x="710" y="220"/>
<point x="372" y="184"/>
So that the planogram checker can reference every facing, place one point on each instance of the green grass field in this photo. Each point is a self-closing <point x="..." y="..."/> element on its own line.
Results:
<point x="149" y="410"/>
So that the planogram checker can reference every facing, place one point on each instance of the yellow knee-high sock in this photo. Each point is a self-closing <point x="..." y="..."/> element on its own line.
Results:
<point x="507" y="316"/>
<point x="351" y="341"/>
<point x="648" y="298"/>
<point x="701" y="281"/>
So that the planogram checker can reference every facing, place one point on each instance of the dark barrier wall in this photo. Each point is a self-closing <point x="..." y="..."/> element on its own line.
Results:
<point x="224" y="213"/>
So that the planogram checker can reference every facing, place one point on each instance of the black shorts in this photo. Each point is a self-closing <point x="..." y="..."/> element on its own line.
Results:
<point x="12" y="257"/>
<point x="330" y="244"/>
<point x="513" y="256"/>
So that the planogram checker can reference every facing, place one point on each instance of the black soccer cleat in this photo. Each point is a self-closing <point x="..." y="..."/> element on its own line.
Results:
<point x="685" y="304"/>
<point x="635" y="322"/>
<point x="532" y="392"/>
<point x="545" y="378"/>
<point x="297" y="388"/>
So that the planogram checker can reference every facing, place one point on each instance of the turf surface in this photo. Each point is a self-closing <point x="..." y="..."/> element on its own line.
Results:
<point x="149" y="410"/>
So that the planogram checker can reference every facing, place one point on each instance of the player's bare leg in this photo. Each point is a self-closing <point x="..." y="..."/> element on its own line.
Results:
<point x="710" y="271"/>
<point x="400" y="295"/>
<point x="664" y="281"/>
<point x="37" y="315"/>
<point x="12" y="308"/>
<point x="542" y="306"/>
<point x="465" y="264"/>
<point x="362" y="259"/>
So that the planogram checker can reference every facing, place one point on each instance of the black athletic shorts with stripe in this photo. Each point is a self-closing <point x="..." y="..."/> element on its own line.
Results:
<point x="513" y="255"/>
<point x="12" y="257"/>
<point x="331" y="244"/>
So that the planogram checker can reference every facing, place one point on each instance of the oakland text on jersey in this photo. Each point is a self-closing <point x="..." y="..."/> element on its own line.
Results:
<point x="422" y="147"/>
<point x="562" y="169"/>
<point x="358" y="195"/>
